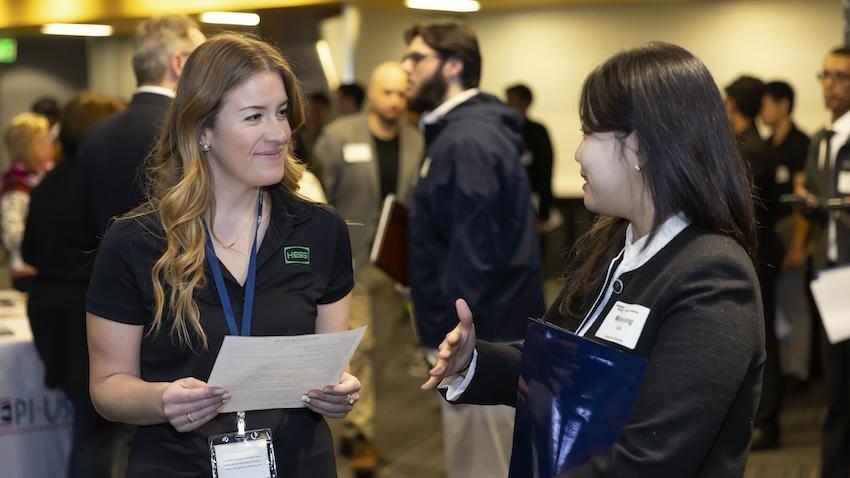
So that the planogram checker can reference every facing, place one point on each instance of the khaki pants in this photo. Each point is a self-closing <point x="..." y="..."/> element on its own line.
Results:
<point x="376" y="304"/>
<point x="477" y="439"/>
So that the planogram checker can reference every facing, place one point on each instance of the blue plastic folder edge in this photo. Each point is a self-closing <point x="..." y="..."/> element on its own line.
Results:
<point x="574" y="397"/>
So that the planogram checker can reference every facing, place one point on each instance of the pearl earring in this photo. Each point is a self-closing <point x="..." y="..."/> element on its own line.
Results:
<point x="204" y="147"/>
<point x="636" y="168"/>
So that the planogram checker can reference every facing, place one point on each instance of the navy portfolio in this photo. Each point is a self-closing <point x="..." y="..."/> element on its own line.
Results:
<point x="575" y="396"/>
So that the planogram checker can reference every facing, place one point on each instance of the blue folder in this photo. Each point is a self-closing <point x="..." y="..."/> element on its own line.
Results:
<point x="575" y="396"/>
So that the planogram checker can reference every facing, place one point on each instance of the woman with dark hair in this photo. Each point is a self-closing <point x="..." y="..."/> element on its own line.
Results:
<point x="674" y="243"/>
<point x="171" y="277"/>
<point x="57" y="243"/>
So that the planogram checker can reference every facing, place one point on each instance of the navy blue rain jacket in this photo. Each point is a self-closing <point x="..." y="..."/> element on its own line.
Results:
<point x="472" y="226"/>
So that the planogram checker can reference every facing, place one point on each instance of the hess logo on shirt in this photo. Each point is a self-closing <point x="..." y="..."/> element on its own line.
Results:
<point x="296" y="255"/>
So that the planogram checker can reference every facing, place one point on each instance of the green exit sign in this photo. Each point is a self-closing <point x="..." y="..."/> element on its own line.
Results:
<point x="8" y="50"/>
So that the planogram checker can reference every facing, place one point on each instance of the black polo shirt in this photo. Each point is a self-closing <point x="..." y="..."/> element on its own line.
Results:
<point x="790" y="159"/>
<point x="303" y="261"/>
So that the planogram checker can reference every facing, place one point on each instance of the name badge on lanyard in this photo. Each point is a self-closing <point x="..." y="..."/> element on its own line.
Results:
<point x="244" y="453"/>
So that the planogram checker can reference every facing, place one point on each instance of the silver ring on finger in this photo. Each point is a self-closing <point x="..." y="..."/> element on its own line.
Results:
<point x="189" y="416"/>
<point x="351" y="399"/>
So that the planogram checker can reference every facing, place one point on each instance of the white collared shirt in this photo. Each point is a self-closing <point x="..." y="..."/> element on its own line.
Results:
<point x="433" y="116"/>
<point x="633" y="254"/>
<point x="841" y="126"/>
<point x="159" y="90"/>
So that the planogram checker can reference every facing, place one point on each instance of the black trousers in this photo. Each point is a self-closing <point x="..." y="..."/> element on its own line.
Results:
<point x="767" y="416"/>
<point x="835" y="440"/>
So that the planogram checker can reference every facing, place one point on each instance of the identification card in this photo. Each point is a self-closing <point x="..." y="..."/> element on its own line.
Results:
<point x="248" y="455"/>
<point x="356" y="152"/>
<point x="843" y="182"/>
<point x="623" y="324"/>
<point x="783" y="175"/>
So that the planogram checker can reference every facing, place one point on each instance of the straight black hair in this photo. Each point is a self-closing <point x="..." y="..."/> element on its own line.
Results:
<point x="747" y="92"/>
<point x="780" y="90"/>
<point x="689" y="157"/>
<point x="353" y="91"/>
<point x="522" y="91"/>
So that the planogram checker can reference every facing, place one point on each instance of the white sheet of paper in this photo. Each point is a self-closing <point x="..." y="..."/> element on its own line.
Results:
<point x="833" y="301"/>
<point x="274" y="372"/>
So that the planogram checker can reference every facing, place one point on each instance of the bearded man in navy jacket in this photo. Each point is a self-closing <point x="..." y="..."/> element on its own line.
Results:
<point x="472" y="226"/>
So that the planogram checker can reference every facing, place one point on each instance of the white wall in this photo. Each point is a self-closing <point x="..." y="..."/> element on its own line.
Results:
<point x="110" y="66"/>
<point x="552" y="49"/>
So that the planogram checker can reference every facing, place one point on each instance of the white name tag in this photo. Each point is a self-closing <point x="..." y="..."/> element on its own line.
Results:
<point x="356" y="152"/>
<point x="783" y="175"/>
<point x="245" y="459"/>
<point x="623" y="324"/>
<point x="843" y="182"/>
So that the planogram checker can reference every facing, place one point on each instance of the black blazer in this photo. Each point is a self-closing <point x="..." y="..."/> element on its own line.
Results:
<point x="704" y="339"/>
<point x="112" y="159"/>
<point x="821" y="181"/>
<point x="57" y="243"/>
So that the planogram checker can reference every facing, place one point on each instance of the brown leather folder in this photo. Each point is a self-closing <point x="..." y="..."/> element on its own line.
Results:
<point x="389" y="251"/>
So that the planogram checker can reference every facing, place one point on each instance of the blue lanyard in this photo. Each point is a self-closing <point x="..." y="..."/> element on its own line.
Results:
<point x="248" y="307"/>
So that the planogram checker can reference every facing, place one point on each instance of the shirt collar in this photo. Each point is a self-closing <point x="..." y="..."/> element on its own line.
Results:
<point x="157" y="90"/>
<point x="636" y="255"/>
<point x="434" y="116"/>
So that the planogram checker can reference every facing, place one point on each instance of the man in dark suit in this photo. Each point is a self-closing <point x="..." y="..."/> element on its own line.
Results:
<point x="113" y="153"/>
<point x="538" y="156"/>
<point x="743" y="102"/>
<point x="828" y="177"/>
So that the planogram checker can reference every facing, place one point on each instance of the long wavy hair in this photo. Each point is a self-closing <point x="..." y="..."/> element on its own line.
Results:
<point x="180" y="186"/>
<point x="691" y="162"/>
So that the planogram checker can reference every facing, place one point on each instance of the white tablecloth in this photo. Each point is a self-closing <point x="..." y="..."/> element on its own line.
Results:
<point x="35" y="423"/>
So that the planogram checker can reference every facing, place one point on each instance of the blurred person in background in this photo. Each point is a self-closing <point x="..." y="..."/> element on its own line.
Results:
<point x="472" y="229"/>
<point x="537" y="158"/>
<point x="57" y="244"/>
<point x="827" y="176"/>
<point x="790" y="146"/>
<point x="113" y="153"/>
<point x="349" y="99"/>
<point x="48" y="107"/>
<point x="742" y="102"/>
<point x="317" y="113"/>
<point x="363" y="158"/>
<point x="31" y="151"/>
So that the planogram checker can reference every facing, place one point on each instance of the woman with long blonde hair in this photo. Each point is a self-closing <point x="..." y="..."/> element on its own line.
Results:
<point x="205" y="257"/>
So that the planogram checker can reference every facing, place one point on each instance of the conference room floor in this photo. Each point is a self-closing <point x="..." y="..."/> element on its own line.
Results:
<point x="409" y="428"/>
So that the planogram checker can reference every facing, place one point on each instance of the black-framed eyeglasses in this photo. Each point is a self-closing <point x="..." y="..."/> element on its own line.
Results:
<point x="836" y="76"/>
<point x="416" y="57"/>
